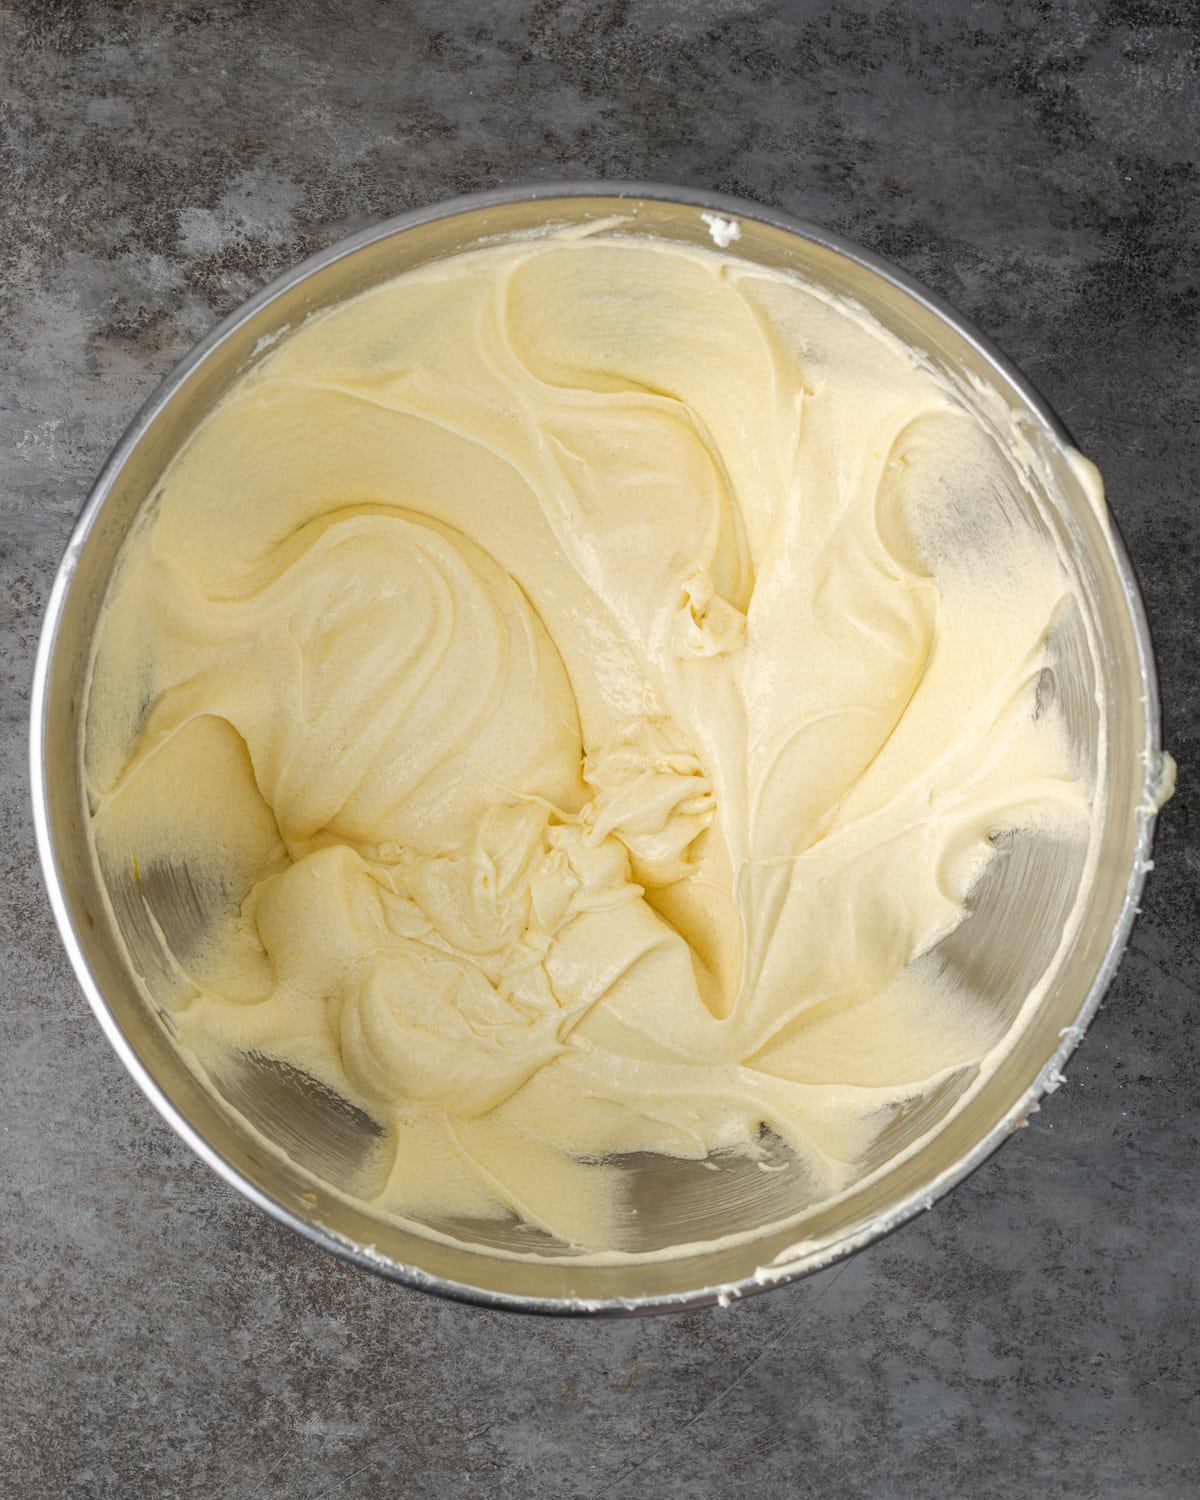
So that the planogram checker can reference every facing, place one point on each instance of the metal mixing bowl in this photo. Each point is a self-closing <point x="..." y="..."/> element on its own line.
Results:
<point x="302" y="1142"/>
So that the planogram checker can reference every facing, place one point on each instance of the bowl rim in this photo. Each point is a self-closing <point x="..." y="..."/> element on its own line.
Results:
<point x="365" y="1257"/>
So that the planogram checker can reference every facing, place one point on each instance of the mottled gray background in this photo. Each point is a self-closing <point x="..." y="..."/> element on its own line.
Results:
<point x="1036" y="1333"/>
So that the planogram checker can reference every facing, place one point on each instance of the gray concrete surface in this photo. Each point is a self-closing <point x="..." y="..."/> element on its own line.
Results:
<point x="1036" y="1333"/>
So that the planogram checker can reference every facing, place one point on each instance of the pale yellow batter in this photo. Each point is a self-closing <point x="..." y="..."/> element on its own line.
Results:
<point x="580" y="681"/>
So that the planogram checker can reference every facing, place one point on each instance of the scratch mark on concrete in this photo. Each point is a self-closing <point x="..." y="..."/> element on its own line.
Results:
<point x="768" y="1348"/>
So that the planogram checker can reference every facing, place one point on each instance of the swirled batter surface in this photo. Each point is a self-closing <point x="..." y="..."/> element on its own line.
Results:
<point x="580" y="684"/>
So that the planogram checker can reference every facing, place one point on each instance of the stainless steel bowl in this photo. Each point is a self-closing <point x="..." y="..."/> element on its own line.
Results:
<point x="301" y="1146"/>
